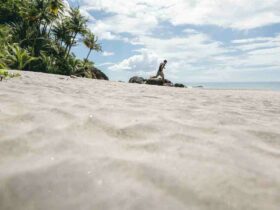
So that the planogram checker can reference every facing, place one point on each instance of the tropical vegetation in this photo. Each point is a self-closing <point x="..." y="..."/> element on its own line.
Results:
<point x="5" y="74"/>
<point x="38" y="35"/>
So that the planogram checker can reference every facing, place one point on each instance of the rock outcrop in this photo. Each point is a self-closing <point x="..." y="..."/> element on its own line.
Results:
<point x="98" y="74"/>
<point x="199" y="86"/>
<point x="168" y="84"/>
<point x="136" y="79"/>
<point x="93" y="73"/>
<point x="154" y="81"/>
<point x="179" y="85"/>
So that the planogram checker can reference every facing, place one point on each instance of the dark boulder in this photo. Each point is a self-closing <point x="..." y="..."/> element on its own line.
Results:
<point x="92" y="72"/>
<point x="98" y="74"/>
<point x="154" y="81"/>
<point x="166" y="81"/>
<point x="168" y="85"/>
<point x="179" y="85"/>
<point x="138" y="80"/>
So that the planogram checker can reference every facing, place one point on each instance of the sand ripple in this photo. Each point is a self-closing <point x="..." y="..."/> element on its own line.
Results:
<point x="86" y="144"/>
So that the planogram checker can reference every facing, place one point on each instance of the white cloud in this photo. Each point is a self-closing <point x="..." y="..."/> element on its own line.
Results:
<point x="251" y="40"/>
<point x="198" y="57"/>
<point x="111" y="28"/>
<point x="139" y="16"/>
<point x="182" y="52"/>
<point x="258" y="52"/>
<point x="192" y="48"/>
<point x="237" y="14"/>
<point x="105" y="53"/>
<point x="145" y="61"/>
<point x="257" y="43"/>
<point x="190" y="31"/>
<point x="136" y="21"/>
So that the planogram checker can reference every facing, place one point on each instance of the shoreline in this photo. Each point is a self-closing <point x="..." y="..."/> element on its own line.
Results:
<point x="273" y="86"/>
<point x="188" y="85"/>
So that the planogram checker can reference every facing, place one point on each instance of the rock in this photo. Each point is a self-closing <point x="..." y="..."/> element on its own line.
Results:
<point x="179" y="85"/>
<point x="168" y="85"/>
<point x="168" y="81"/>
<point x="136" y="79"/>
<point x="98" y="74"/>
<point x="153" y="81"/>
<point x="92" y="72"/>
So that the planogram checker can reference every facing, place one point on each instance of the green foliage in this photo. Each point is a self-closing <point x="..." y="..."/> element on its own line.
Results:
<point x="3" y="64"/>
<point x="36" y="35"/>
<point x="83" y="69"/>
<point x="55" y="7"/>
<point x="62" y="32"/>
<point x="48" y="63"/>
<point x="91" y="42"/>
<point x="9" y="11"/>
<point x="16" y="58"/>
<point x="77" y="25"/>
<point x="5" y="36"/>
<point x="6" y="74"/>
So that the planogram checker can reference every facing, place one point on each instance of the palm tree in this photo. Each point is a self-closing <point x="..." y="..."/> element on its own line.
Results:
<point x="48" y="63"/>
<point x="90" y="42"/>
<point x="36" y="16"/>
<point x="56" y="6"/>
<point x="2" y="63"/>
<point x="9" y="11"/>
<point x="55" y="9"/>
<point x="5" y="35"/>
<point x="16" y="58"/>
<point x="84" y="69"/>
<point x="44" y="37"/>
<point x="62" y="33"/>
<point x="77" y="25"/>
<point x="34" y="11"/>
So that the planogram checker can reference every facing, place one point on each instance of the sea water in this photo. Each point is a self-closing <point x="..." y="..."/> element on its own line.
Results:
<point x="239" y="85"/>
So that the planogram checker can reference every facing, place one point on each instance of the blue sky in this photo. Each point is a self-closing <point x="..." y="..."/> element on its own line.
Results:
<point x="203" y="40"/>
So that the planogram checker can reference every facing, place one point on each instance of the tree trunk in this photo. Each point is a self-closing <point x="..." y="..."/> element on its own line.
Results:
<point x="50" y="29"/>
<point x="70" y="46"/>
<point x="66" y="48"/>
<point x="44" y="29"/>
<point x="35" y="40"/>
<point x="88" y="54"/>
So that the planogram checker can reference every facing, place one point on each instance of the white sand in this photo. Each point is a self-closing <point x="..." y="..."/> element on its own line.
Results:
<point x="80" y="144"/>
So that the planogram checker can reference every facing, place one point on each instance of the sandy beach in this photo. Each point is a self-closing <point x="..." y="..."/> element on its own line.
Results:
<point x="81" y="144"/>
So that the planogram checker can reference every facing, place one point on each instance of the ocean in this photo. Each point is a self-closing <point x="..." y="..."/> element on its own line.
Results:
<point x="238" y="85"/>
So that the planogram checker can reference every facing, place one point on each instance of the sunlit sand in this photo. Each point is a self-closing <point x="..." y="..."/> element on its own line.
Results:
<point x="70" y="144"/>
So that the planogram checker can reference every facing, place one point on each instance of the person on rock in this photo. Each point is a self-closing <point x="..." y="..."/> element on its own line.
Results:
<point x="160" y="70"/>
